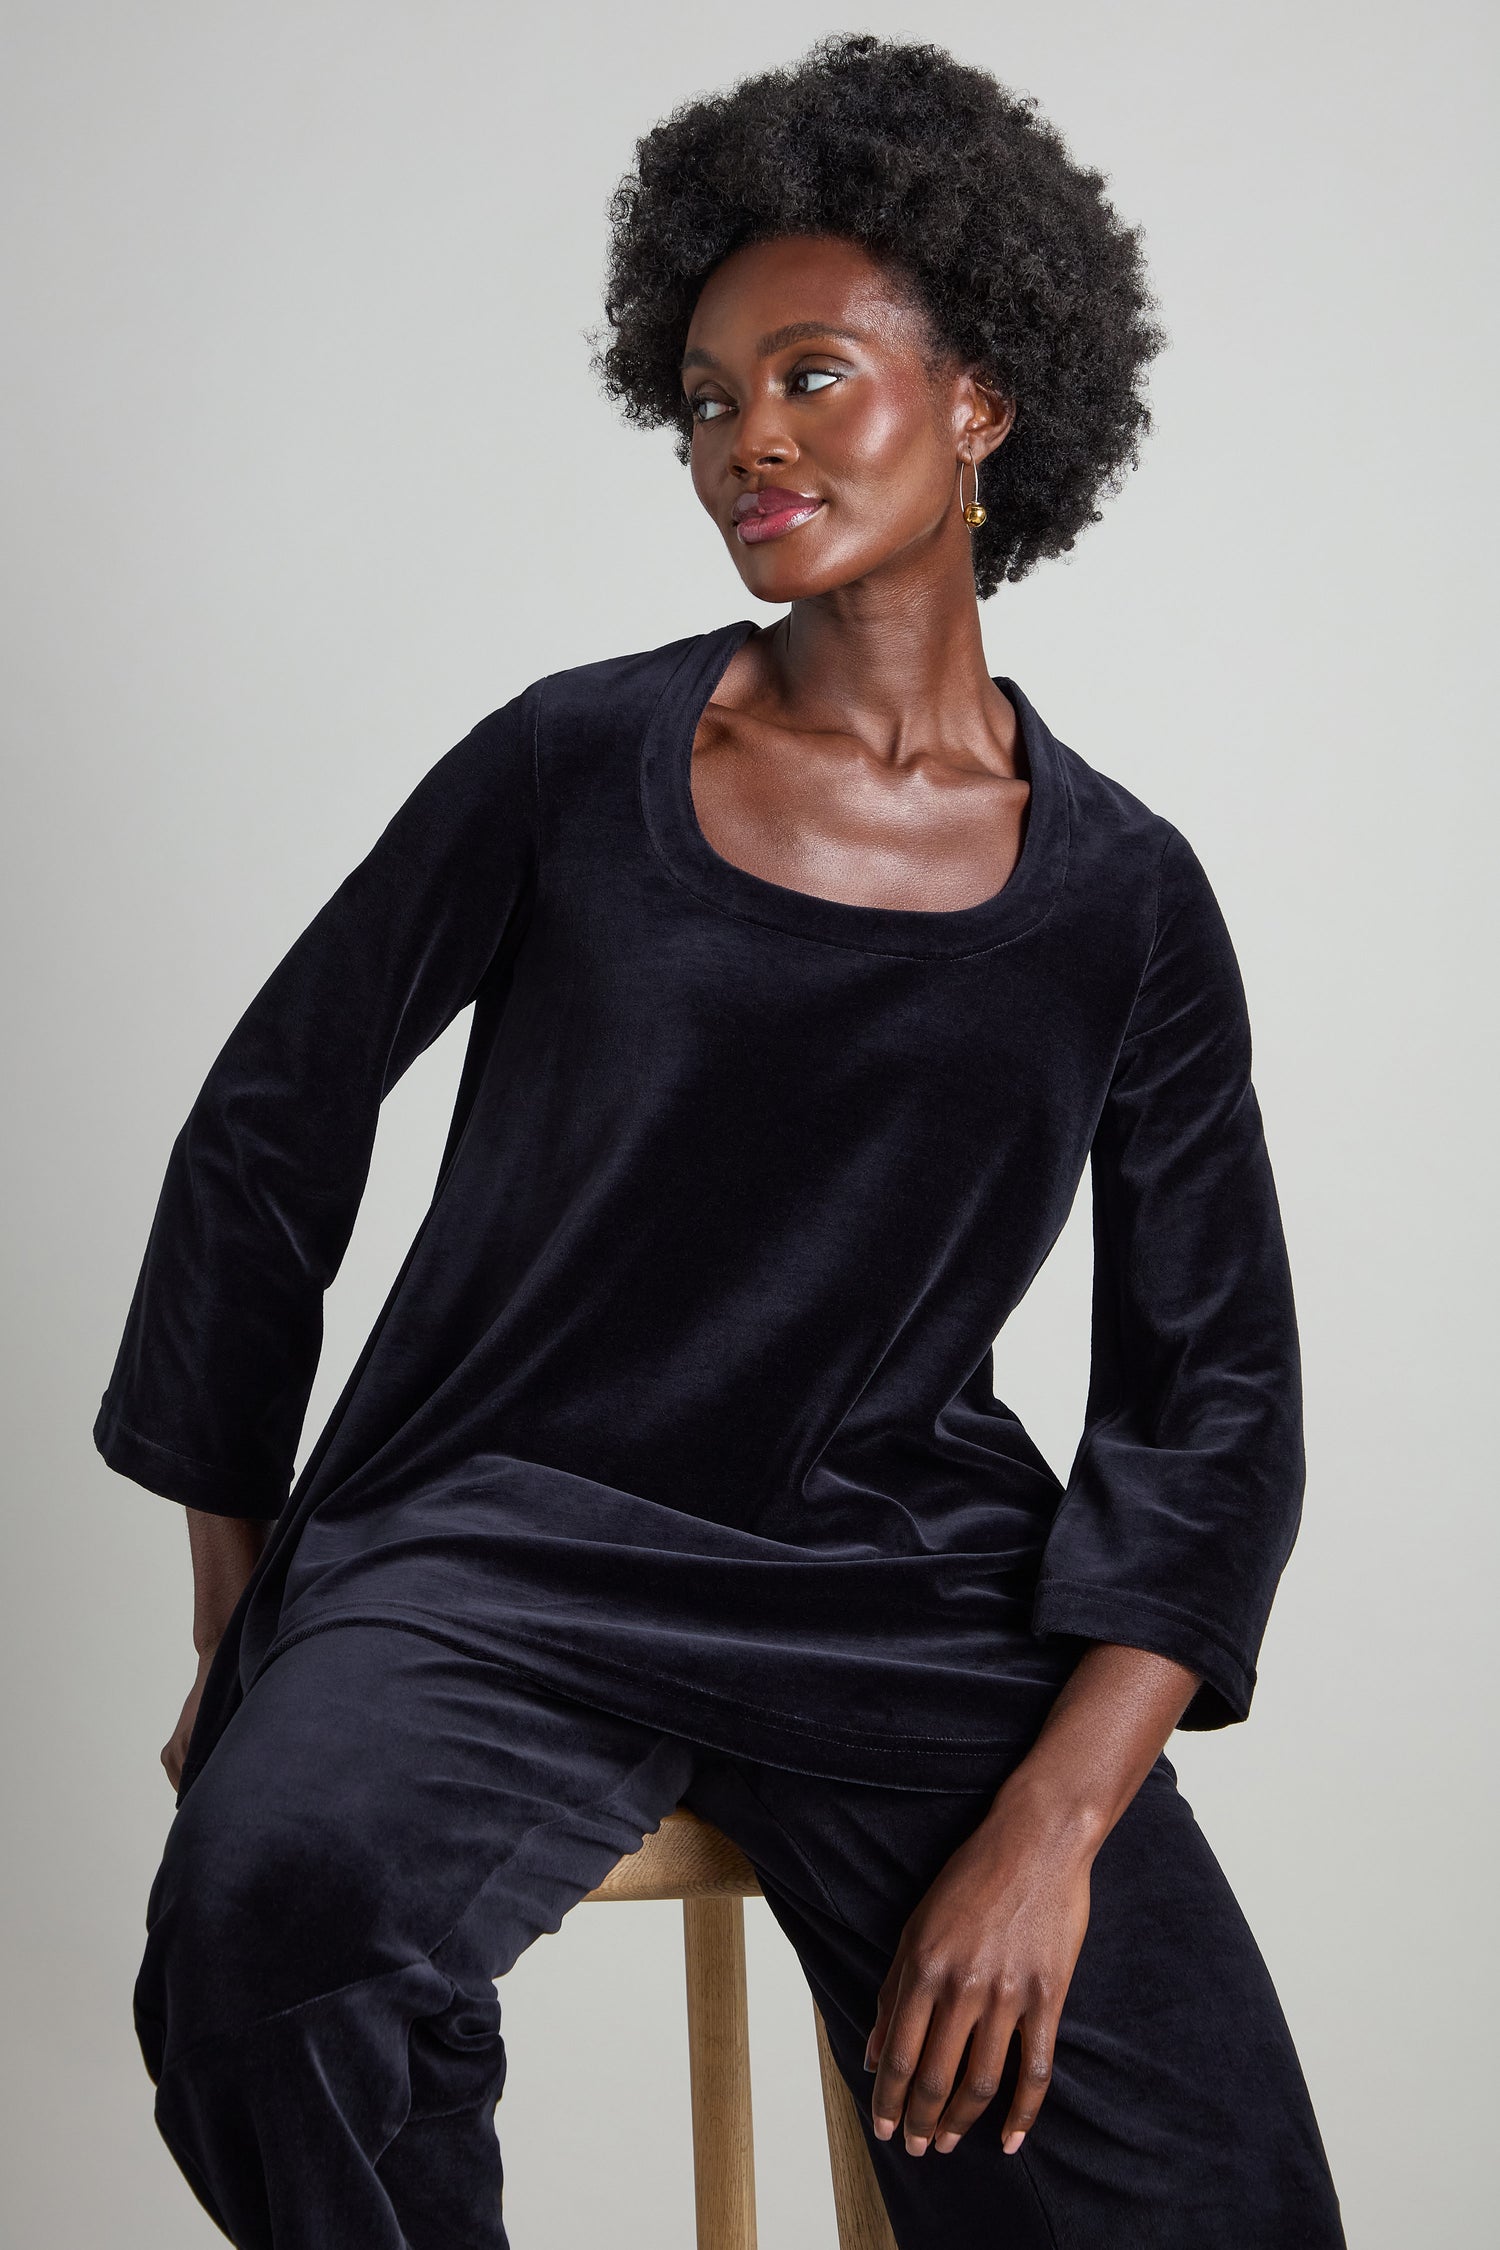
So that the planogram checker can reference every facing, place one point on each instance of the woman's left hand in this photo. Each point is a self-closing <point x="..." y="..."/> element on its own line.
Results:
<point x="989" y="1952"/>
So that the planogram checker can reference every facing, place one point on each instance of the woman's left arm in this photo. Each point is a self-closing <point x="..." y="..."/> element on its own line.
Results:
<point x="1164" y="1554"/>
<point x="990" y="1950"/>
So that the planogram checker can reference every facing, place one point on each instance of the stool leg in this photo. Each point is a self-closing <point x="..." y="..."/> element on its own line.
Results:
<point x="713" y="1931"/>
<point x="857" y="2204"/>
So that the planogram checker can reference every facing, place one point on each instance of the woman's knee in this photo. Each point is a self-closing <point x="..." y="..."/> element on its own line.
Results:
<point x="257" y="1908"/>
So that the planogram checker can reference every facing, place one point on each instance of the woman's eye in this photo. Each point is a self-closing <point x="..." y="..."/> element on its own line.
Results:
<point x="708" y="409"/>
<point x="815" y="378"/>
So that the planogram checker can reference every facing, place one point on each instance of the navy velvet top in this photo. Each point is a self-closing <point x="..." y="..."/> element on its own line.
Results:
<point x="682" y="1400"/>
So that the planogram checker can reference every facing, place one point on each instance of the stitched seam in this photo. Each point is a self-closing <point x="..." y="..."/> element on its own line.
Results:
<point x="851" y="945"/>
<point x="1124" y="1599"/>
<point x="281" y="2015"/>
<point x="425" y="2117"/>
<point x="234" y="1477"/>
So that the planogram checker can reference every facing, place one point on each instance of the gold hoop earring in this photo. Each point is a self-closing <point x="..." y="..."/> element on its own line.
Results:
<point x="974" y="515"/>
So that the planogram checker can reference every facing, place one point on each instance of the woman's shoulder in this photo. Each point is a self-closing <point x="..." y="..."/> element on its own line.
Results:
<point x="616" y="689"/>
<point x="1104" y="808"/>
<point x="1126" y="858"/>
<point x="1113" y="826"/>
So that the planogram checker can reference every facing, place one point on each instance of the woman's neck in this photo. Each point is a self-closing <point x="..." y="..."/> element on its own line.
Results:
<point x="898" y="667"/>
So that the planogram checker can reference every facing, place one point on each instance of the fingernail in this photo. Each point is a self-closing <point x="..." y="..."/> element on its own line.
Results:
<point x="945" y="2142"/>
<point x="1012" y="2142"/>
<point x="884" y="2127"/>
<point x="916" y="2144"/>
<point x="868" y="2064"/>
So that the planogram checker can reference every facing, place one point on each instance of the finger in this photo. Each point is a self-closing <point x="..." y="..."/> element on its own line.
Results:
<point x="900" y="2053"/>
<point x="1038" y="2040"/>
<point x="938" y="2066"/>
<point x="980" y="2082"/>
<point x="884" y="2008"/>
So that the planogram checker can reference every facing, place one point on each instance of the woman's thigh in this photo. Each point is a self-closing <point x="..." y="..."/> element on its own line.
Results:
<point x="378" y="1800"/>
<point x="1177" y="2118"/>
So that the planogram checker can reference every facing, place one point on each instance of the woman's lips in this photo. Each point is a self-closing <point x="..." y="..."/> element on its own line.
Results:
<point x="772" y="513"/>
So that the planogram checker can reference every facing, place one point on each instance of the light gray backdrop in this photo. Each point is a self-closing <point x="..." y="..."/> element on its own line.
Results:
<point x="307" y="472"/>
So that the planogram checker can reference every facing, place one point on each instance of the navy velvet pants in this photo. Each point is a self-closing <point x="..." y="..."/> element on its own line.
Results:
<point x="387" y="1823"/>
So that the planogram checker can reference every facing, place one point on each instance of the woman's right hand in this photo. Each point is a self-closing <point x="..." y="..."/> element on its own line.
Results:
<point x="174" y="1752"/>
<point x="225" y="1551"/>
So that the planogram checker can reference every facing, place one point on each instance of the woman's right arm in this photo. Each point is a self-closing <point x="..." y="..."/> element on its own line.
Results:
<point x="211" y="1381"/>
<point x="225" y="1550"/>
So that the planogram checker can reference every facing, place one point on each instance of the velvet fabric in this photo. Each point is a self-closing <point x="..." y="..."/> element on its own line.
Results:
<point x="387" y="1823"/>
<point x="682" y="1400"/>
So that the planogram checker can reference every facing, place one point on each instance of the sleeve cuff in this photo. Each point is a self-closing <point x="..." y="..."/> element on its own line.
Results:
<point x="193" y="1484"/>
<point x="1095" y="1613"/>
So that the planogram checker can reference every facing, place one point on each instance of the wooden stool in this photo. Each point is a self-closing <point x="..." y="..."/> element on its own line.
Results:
<point x="688" y="1859"/>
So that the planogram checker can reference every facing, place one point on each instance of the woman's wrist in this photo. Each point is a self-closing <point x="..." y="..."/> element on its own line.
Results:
<point x="225" y="1551"/>
<point x="1101" y="1738"/>
<point x="1056" y="1813"/>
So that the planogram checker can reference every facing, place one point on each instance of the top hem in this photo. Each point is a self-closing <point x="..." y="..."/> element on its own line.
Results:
<point x="1139" y="1620"/>
<point x="718" y="1722"/>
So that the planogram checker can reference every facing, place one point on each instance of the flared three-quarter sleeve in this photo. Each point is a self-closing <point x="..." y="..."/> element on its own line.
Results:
<point x="263" y="1184"/>
<point x="1184" y="1498"/>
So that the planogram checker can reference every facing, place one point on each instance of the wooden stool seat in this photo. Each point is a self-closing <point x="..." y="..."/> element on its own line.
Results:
<point x="687" y="1859"/>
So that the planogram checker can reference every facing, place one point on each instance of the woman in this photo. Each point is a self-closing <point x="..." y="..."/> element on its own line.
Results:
<point x="808" y="970"/>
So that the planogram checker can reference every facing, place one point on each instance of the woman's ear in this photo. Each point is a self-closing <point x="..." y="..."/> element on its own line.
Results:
<point x="985" y="417"/>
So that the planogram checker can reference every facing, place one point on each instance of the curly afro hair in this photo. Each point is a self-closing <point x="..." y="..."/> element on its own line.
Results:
<point x="1023" y="268"/>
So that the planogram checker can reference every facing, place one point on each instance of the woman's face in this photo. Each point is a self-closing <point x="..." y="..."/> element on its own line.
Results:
<point x="826" y="440"/>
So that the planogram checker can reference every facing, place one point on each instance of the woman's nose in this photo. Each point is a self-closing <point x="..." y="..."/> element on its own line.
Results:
<point x="762" y="439"/>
